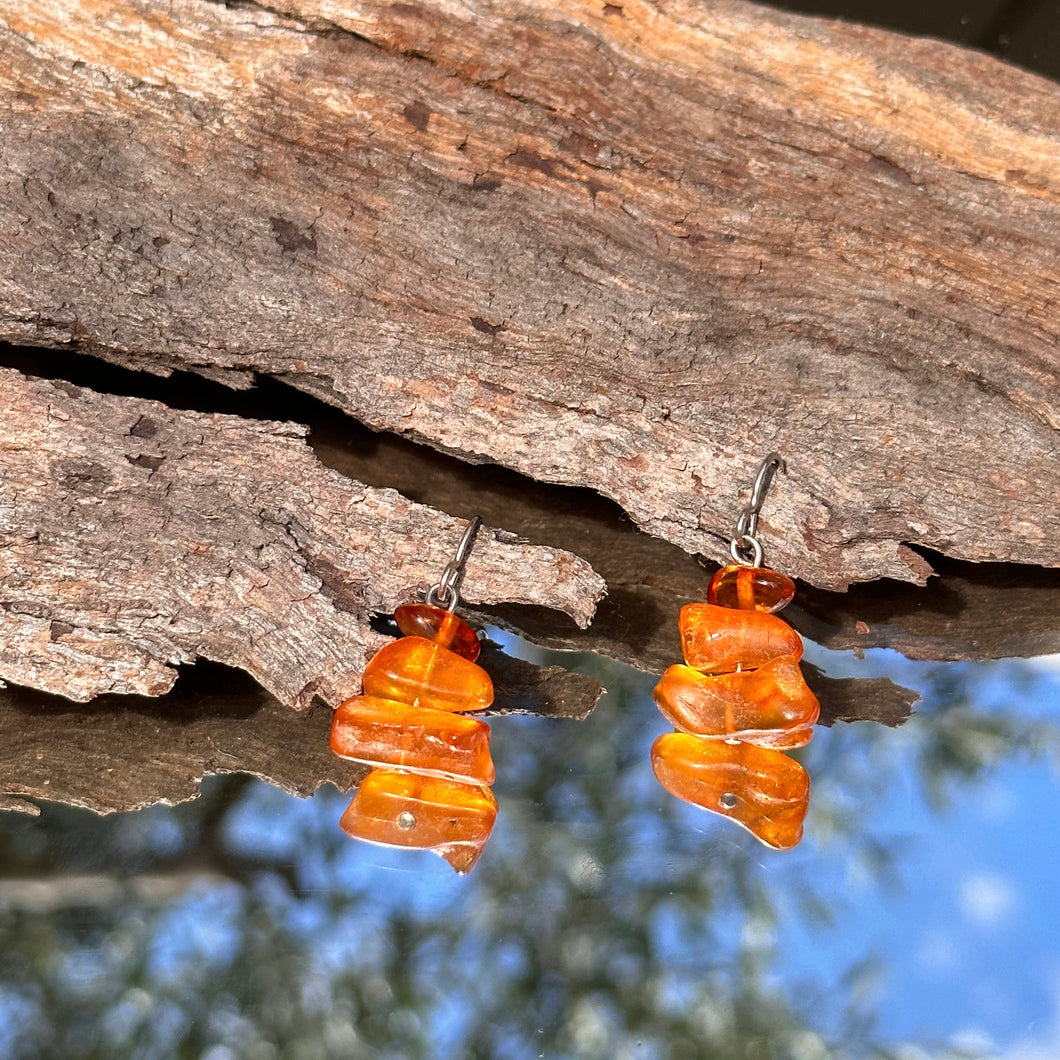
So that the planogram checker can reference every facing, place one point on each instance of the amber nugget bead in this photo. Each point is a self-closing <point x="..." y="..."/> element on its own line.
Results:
<point x="771" y="706"/>
<point x="398" y="809"/>
<point x="438" y="625"/>
<point x="420" y="739"/>
<point x="750" y="588"/>
<point x="720" y="640"/>
<point x="760" y="788"/>
<point x="418" y="672"/>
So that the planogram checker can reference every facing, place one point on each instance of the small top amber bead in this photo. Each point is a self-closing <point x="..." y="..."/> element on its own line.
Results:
<point x="750" y="588"/>
<point x="438" y="625"/>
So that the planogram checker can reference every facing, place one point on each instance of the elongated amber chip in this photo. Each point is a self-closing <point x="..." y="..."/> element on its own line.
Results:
<point x="760" y="788"/>
<point x="382" y="732"/>
<point x="398" y="809"/>
<point x="771" y="706"/>
<point x="438" y="625"/>
<point x="720" y="640"/>
<point x="750" y="588"/>
<point x="423" y="674"/>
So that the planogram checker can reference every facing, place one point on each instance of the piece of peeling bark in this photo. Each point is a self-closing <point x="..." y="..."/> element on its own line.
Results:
<point x="968" y="611"/>
<point x="632" y="247"/>
<point x="123" y="753"/>
<point x="134" y="538"/>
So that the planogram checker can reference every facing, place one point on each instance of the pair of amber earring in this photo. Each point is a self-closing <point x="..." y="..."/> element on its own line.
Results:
<point x="738" y="703"/>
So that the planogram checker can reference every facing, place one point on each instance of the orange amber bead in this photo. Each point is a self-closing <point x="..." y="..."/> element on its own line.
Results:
<point x="770" y="706"/>
<point x="750" y="588"/>
<point x="397" y="809"/>
<point x="418" y="672"/>
<point x="720" y="640"/>
<point x="441" y="626"/>
<point x="764" y="790"/>
<point x="382" y="732"/>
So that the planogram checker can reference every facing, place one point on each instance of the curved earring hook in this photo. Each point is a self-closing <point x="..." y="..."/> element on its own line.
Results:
<point x="745" y="548"/>
<point x="446" y="591"/>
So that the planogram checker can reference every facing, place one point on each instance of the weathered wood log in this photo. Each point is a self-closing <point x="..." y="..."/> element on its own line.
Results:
<point x="134" y="538"/>
<point x="132" y="751"/>
<point x="626" y="246"/>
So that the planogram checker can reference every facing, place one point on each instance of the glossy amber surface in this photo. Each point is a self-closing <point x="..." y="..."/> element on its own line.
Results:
<point x="723" y="639"/>
<point x="771" y="706"/>
<point x="398" y="809"/>
<point x="758" y="787"/>
<point x="750" y="588"/>
<point x="419" y="672"/>
<point x="438" y="625"/>
<point x="419" y="739"/>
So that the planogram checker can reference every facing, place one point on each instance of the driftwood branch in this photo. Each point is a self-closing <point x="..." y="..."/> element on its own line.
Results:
<point x="134" y="538"/>
<point x="627" y="246"/>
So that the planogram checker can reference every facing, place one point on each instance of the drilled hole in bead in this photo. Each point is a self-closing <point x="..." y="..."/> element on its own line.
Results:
<point x="406" y="821"/>
<point x="729" y="800"/>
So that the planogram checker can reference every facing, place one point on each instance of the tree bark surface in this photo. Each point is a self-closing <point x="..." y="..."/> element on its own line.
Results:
<point x="627" y="246"/>
<point x="134" y="538"/>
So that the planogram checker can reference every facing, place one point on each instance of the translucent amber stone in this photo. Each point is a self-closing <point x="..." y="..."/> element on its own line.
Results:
<point x="418" y="672"/>
<point x="384" y="733"/>
<point x="722" y="639"/>
<point x="750" y="588"/>
<point x="397" y="809"/>
<point x="441" y="626"/>
<point x="771" y="706"/>
<point x="764" y="790"/>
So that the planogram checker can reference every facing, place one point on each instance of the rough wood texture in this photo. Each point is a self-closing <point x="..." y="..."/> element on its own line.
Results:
<point x="626" y="246"/>
<point x="967" y="611"/>
<point x="134" y="538"/>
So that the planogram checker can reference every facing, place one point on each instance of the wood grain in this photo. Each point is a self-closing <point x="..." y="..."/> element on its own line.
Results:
<point x="630" y="246"/>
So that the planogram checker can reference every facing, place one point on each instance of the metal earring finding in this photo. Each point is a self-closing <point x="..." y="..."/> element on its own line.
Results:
<point x="431" y="768"/>
<point x="739" y="701"/>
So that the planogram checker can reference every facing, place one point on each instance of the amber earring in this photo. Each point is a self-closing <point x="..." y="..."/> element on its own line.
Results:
<point x="740" y="700"/>
<point x="431" y="764"/>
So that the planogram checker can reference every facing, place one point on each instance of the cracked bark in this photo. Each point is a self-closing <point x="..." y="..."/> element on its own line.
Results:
<point x="134" y="538"/>
<point x="630" y="249"/>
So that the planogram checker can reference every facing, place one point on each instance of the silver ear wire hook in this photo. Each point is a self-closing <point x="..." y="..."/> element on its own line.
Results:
<point x="745" y="548"/>
<point x="446" y="591"/>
